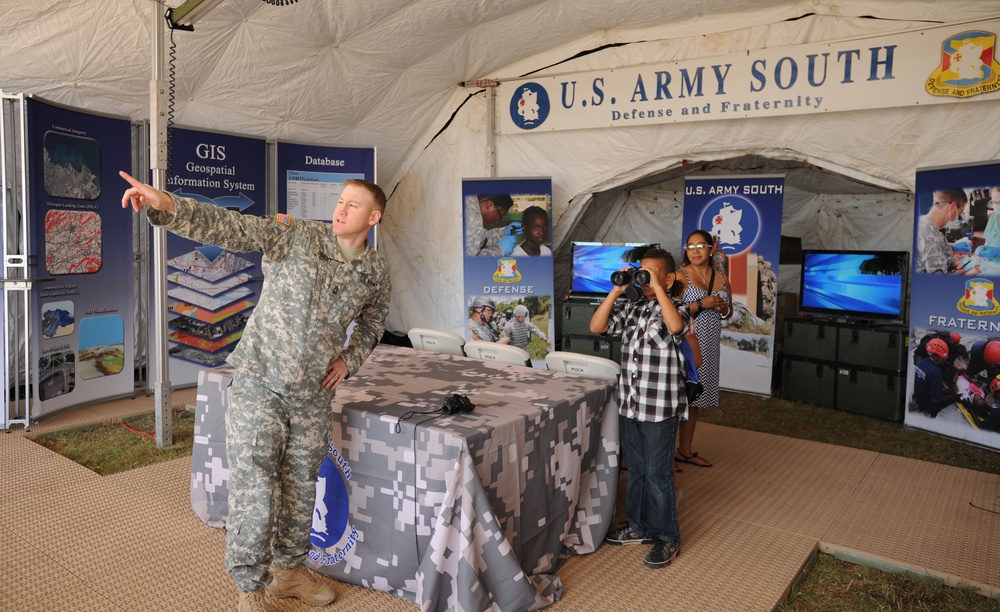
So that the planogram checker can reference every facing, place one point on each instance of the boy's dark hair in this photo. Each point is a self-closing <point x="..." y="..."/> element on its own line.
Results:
<point x="668" y="266"/>
<point x="533" y="212"/>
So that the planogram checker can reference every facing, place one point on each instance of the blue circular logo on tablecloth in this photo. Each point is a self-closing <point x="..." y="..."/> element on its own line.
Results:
<point x="330" y="515"/>
<point x="529" y="106"/>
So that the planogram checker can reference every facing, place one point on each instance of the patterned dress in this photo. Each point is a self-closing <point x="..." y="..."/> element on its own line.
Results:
<point x="708" y="329"/>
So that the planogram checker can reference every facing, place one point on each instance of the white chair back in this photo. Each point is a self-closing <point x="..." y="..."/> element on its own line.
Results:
<point x="436" y="340"/>
<point x="578" y="363"/>
<point x="493" y="351"/>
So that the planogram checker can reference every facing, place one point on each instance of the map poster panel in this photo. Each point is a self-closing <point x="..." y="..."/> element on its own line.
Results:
<point x="952" y="376"/>
<point x="744" y="214"/>
<point x="211" y="291"/>
<point x="81" y="321"/>
<point x="508" y="276"/>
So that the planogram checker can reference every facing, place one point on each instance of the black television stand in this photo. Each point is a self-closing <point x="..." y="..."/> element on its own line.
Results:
<point x="847" y="366"/>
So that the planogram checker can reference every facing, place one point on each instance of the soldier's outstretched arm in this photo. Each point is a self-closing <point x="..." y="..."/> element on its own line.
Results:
<point x="141" y="194"/>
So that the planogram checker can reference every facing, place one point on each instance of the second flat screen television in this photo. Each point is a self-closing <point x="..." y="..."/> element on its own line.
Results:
<point x="864" y="286"/>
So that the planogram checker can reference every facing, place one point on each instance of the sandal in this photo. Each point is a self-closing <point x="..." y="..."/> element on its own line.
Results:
<point x="690" y="459"/>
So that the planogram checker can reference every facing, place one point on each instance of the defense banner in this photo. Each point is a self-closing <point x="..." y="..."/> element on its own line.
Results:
<point x="81" y="320"/>
<point x="952" y="382"/>
<point x="508" y="263"/>
<point x="744" y="214"/>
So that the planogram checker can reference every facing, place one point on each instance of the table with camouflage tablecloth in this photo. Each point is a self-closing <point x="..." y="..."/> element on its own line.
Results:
<point x="467" y="511"/>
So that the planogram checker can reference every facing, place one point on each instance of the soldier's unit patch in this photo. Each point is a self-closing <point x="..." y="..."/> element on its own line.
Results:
<point x="283" y="219"/>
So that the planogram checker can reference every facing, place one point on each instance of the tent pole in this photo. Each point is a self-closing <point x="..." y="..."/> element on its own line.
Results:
<point x="158" y="166"/>
<point x="491" y="151"/>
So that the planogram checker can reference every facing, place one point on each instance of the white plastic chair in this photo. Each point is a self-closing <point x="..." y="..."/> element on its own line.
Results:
<point x="578" y="363"/>
<point x="492" y="351"/>
<point x="436" y="340"/>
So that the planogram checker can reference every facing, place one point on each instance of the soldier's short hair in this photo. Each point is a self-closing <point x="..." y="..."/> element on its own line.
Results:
<point x="371" y="188"/>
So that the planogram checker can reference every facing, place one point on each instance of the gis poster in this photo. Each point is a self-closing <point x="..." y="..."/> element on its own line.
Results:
<point x="210" y="291"/>
<point x="952" y="381"/>
<point x="82" y="314"/>
<point x="508" y="263"/>
<point x="742" y="216"/>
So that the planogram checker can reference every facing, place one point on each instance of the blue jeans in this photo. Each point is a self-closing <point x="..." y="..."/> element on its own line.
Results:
<point x="650" y="499"/>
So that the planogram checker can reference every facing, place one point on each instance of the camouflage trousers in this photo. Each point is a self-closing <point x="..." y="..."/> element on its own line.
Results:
<point x="275" y="445"/>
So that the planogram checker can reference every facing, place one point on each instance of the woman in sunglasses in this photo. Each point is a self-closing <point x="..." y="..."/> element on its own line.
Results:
<point x="707" y="293"/>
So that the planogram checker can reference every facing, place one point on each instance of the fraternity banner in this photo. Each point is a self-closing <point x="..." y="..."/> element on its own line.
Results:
<point x="508" y="263"/>
<point x="81" y="320"/>
<point x="953" y="383"/>
<point x="743" y="213"/>
<point x="210" y="291"/>
<point x="932" y="65"/>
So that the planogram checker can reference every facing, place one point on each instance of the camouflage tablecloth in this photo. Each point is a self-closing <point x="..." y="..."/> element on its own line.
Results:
<point x="469" y="511"/>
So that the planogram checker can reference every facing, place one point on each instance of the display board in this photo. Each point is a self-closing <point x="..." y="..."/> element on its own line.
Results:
<point x="744" y="214"/>
<point x="210" y="291"/>
<point x="81" y="320"/>
<point x="508" y="263"/>
<point x="956" y="263"/>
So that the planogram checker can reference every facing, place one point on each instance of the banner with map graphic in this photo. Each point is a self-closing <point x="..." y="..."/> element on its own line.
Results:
<point x="211" y="292"/>
<point x="82" y="340"/>
<point x="744" y="213"/>
<point x="508" y="263"/>
<point x="953" y="388"/>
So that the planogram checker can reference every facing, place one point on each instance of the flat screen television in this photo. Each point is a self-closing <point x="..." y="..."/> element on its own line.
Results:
<point x="593" y="263"/>
<point x="862" y="286"/>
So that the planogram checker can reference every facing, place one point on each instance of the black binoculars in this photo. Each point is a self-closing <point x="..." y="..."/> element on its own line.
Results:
<point x="630" y="276"/>
<point x="632" y="279"/>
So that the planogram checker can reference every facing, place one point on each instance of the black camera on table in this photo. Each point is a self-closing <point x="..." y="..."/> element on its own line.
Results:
<point x="457" y="404"/>
<point x="634" y="278"/>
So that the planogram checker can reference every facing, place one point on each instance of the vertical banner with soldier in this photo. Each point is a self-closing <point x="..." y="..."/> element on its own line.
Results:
<point x="508" y="263"/>
<point x="953" y="383"/>
<point x="743" y="216"/>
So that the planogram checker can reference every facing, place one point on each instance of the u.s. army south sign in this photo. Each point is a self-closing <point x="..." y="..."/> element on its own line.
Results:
<point x="944" y="64"/>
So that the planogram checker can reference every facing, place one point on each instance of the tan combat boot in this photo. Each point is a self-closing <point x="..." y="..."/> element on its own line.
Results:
<point x="252" y="601"/>
<point x="302" y="583"/>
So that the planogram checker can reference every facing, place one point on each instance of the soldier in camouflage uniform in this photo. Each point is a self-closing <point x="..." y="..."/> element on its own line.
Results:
<point x="479" y="323"/>
<point x="290" y="360"/>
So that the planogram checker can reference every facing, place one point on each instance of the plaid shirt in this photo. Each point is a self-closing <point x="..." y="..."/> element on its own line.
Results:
<point x="652" y="373"/>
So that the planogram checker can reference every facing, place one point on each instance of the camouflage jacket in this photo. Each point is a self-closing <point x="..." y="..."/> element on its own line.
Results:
<point x="310" y="294"/>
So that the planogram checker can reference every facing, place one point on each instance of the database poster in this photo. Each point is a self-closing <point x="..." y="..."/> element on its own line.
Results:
<point x="81" y="251"/>
<point x="211" y="292"/>
<point x="311" y="177"/>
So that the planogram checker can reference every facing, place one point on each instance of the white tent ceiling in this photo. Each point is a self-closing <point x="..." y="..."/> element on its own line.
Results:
<point x="388" y="74"/>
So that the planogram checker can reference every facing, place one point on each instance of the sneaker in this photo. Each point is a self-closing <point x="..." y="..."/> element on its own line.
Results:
<point x="301" y="583"/>
<point x="252" y="601"/>
<point x="661" y="554"/>
<point x="625" y="535"/>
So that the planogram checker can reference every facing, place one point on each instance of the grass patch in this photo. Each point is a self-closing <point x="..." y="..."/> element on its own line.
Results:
<point x="112" y="448"/>
<point x="821" y="424"/>
<point x="833" y="585"/>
